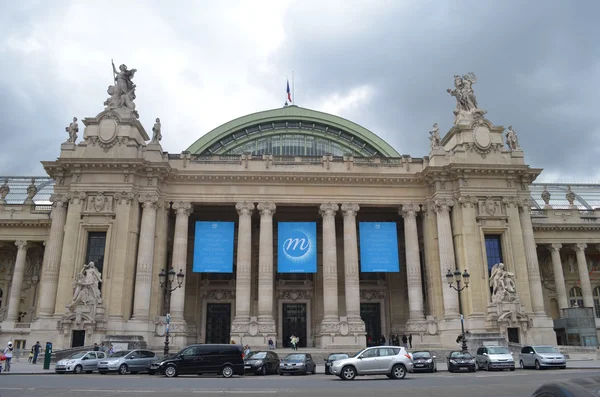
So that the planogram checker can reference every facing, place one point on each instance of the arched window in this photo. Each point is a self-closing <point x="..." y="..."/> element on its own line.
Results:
<point x="576" y="297"/>
<point x="597" y="301"/>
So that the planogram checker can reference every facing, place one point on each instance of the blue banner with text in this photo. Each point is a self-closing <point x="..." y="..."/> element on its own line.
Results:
<point x="378" y="247"/>
<point x="297" y="247"/>
<point x="213" y="247"/>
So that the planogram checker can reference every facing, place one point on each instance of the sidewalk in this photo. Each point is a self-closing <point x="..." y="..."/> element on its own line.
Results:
<point x="25" y="368"/>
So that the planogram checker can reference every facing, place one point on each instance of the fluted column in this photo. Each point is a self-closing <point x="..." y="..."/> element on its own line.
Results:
<point x="143" y="275"/>
<point x="179" y="262"/>
<point x="17" y="282"/>
<point x="265" y="264"/>
<point x="351" y="271"/>
<point x="52" y="256"/>
<point x="243" y="265"/>
<point x="559" y="278"/>
<point x="447" y="261"/>
<point x="533" y="267"/>
<point x="330" y="271"/>
<point x="584" y="275"/>
<point x="413" y="262"/>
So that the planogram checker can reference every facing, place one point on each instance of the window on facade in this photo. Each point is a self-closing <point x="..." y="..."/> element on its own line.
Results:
<point x="95" y="250"/>
<point x="493" y="250"/>
<point x="576" y="297"/>
<point x="597" y="301"/>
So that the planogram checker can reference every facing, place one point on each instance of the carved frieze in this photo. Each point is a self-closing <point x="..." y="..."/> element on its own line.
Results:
<point x="372" y="294"/>
<point x="295" y="295"/>
<point x="219" y="294"/>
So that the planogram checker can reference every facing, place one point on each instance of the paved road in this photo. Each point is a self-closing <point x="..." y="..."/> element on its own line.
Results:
<point x="520" y="383"/>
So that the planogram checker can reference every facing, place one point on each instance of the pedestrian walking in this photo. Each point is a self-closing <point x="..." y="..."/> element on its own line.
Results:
<point x="410" y="340"/>
<point x="404" y="341"/>
<point x="36" y="351"/>
<point x="96" y="347"/>
<point x="30" y="356"/>
<point x="271" y="344"/>
<point x="8" y="353"/>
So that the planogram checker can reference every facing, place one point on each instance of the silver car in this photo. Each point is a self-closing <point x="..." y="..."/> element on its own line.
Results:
<point x="124" y="361"/>
<point x="494" y="357"/>
<point x="392" y="361"/>
<point x="79" y="362"/>
<point x="541" y="357"/>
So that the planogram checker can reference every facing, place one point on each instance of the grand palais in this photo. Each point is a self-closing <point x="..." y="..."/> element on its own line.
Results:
<point x="293" y="222"/>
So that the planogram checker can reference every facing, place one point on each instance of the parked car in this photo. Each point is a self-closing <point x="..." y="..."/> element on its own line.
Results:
<point x="541" y="357"/>
<point x="494" y="357"/>
<point x="222" y="359"/>
<point x="124" y="361"/>
<point x="297" y="363"/>
<point x="262" y="363"/>
<point x="461" y="361"/>
<point x="331" y="358"/>
<point x="423" y="361"/>
<point x="80" y="362"/>
<point x="392" y="361"/>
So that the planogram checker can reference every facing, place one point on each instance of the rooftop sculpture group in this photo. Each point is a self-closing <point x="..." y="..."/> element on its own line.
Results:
<point x="466" y="103"/>
<point x="122" y="94"/>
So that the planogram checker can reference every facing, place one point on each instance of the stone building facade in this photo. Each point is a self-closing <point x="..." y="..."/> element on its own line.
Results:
<point x="117" y="199"/>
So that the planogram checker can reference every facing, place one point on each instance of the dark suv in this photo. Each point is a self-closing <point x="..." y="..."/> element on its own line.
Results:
<point x="226" y="360"/>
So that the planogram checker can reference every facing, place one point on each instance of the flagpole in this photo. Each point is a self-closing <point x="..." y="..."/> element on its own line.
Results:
<point x="293" y="90"/>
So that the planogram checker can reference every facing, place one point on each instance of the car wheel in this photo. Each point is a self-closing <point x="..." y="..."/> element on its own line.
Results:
<point x="512" y="369"/>
<point x="123" y="369"/>
<point x="522" y="364"/>
<point x="78" y="369"/>
<point x="170" y="371"/>
<point x="280" y="373"/>
<point x="348" y="373"/>
<point x="537" y="365"/>
<point x="398" y="371"/>
<point x="487" y="367"/>
<point x="227" y="371"/>
<point x="263" y="370"/>
<point x="314" y="371"/>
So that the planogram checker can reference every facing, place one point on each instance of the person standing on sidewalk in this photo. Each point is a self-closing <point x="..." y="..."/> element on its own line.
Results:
<point x="8" y="353"/>
<point x="36" y="351"/>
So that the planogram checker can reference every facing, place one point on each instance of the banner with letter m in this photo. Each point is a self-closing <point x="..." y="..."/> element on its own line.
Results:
<point x="296" y="247"/>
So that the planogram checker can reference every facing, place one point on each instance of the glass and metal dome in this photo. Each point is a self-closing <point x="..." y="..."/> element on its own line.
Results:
<point x="18" y="189"/>
<point x="587" y="196"/>
<point x="292" y="131"/>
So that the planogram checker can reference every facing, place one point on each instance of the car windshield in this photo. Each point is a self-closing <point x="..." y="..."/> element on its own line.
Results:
<point x="257" y="355"/>
<point x="335" y="357"/>
<point x="498" y="350"/>
<point x="461" y="355"/>
<point x="421" y="355"/>
<point x="77" y="355"/>
<point x="546" y="349"/>
<point x="121" y="353"/>
<point x="294" y="358"/>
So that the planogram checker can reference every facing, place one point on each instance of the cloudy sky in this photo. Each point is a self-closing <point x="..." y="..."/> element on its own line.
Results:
<point x="383" y="64"/>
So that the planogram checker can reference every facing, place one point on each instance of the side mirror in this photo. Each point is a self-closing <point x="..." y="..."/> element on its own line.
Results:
<point x="84" y="358"/>
<point x="434" y="357"/>
<point x="531" y="352"/>
<point x="485" y="354"/>
<point x="325" y="359"/>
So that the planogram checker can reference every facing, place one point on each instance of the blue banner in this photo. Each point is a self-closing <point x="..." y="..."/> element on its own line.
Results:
<point x="213" y="247"/>
<point x="297" y="247"/>
<point x="378" y="247"/>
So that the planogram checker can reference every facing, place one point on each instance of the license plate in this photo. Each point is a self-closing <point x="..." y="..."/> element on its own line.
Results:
<point x="247" y="367"/>
<point x="463" y="368"/>
<point x="419" y="365"/>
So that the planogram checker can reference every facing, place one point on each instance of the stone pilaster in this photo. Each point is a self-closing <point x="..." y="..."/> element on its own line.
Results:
<point x="559" y="278"/>
<point x="265" y="268"/>
<point x="52" y="257"/>
<point x="533" y="267"/>
<point x="179" y="261"/>
<point x="432" y="262"/>
<point x="413" y="263"/>
<point x="447" y="262"/>
<point x="244" y="269"/>
<point x="351" y="270"/>
<point x="143" y="276"/>
<point x="17" y="282"/>
<point x="330" y="271"/>
<point x="584" y="275"/>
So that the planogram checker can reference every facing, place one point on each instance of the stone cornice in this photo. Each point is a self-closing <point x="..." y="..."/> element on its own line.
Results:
<point x="25" y="222"/>
<point x="566" y="227"/>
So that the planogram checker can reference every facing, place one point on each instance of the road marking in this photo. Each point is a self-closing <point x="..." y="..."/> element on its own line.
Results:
<point x="111" y="391"/>
<point x="11" y="388"/>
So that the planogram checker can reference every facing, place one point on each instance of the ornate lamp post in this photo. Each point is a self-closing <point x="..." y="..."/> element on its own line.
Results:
<point x="451" y="278"/>
<point x="167" y="281"/>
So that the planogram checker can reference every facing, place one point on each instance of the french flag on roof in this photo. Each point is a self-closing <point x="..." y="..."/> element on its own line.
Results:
<point x="289" y="93"/>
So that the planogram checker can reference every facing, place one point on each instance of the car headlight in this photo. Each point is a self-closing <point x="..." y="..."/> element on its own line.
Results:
<point x="113" y="362"/>
<point x="472" y="361"/>
<point x="258" y="363"/>
<point x="452" y="361"/>
<point x="429" y="361"/>
<point x="70" y="362"/>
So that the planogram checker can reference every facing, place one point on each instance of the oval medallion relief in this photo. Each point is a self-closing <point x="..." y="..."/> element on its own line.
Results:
<point x="482" y="137"/>
<point x="108" y="130"/>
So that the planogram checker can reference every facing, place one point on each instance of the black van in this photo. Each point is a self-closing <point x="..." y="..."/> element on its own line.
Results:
<point x="227" y="360"/>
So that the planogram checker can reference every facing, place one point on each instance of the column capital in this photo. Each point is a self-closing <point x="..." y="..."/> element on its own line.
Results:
<point x="443" y="205"/>
<point x="244" y="208"/>
<point x="266" y="208"/>
<point x="350" y="209"/>
<point x="580" y="247"/>
<point x="468" y="201"/>
<point x="524" y="203"/>
<point x="149" y="200"/>
<point x="59" y="200"/>
<point x="555" y="247"/>
<point x="21" y="244"/>
<point x="409" y="210"/>
<point x="328" y="209"/>
<point x="182" y="207"/>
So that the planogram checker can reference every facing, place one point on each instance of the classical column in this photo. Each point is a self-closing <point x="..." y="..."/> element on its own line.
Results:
<point x="179" y="262"/>
<point x="330" y="271"/>
<point x="17" y="282"/>
<point x="351" y="271"/>
<point x="447" y="261"/>
<point x="413" y="263"/>
<point x="559" y="278"/>
<point x="265" y="264"/>
<point x="533" y="267"/>
<point x="584" y="275"/>
<point x="52" y="256"/>
<point x="143" y="274"/>
<point x="243" y="267"/>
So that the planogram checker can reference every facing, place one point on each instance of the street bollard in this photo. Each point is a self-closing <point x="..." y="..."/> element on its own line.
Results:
<point x="48" y="355"/>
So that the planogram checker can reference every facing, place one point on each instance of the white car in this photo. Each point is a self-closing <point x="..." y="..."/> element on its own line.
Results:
<point x="392" y="361"/>
<point x="80" y="362"/>
<point x="541" y="357"/>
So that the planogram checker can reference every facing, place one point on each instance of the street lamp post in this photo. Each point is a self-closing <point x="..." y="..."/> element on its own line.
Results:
<point x="167" y="282"/>
<point x="451" y="278"/>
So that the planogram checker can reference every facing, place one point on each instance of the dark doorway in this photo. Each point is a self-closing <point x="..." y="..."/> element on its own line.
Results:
<point x="218" y="322"/>
<point x="294" y="323"/>
<point x="513" y="335"/>
<point x="371" y="315"/>
<point x="78" y="339"/>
